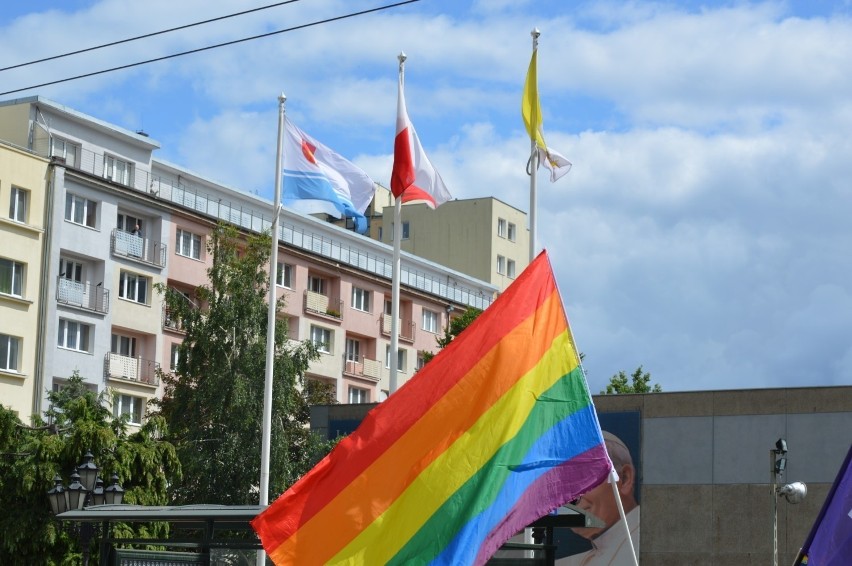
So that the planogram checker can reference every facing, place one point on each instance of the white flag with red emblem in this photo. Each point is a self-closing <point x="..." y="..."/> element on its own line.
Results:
<point x="413" y="176"/>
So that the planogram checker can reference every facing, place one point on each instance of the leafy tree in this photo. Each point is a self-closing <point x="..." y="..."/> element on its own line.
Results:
<point x="78" y="420"/>
<point x="456" y="326"/>
<point x="638" y="382"/>
<point x="213" y="401"/>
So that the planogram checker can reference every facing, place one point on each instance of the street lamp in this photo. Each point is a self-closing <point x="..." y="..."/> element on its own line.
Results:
<point x="86" y="488"/>
<point x="793" y="492"/>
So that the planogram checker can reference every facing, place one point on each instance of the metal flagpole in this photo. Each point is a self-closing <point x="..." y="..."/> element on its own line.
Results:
<point x="532" y="165"/>
<point x="270" y="325"/>
<point x="613" y="480"/>
<point x="397" y="242"/>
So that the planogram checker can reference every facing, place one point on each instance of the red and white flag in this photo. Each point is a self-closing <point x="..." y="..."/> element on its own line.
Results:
<point x="413" y="175"/>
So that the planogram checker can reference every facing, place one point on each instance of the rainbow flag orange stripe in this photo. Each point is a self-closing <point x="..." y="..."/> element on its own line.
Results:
<point x="493" y="433"/>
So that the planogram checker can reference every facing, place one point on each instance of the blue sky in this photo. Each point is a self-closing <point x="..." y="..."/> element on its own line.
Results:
<point x="704" y="230"/>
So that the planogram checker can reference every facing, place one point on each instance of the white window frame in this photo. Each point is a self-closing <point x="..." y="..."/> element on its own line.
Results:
<point x="358" y="395"/>
<point x="353" y="350"/>
<point x="501" y="227"/>
<point x="174" y="356"/>
<point x="512" y="232"/>
<point x="117" y="170"/>
<point x="430" y="321"/>
<point x="284" y="275"/>
<point x="71" y="269"/>
<point x="73" y="335"/>
<point x="132" y="287"/>
<point x="190" y="241"/>
<point x="322" y="338"/>
<point x="510" y="268"/>
<point x="10" y="353"/>
<point x="317" y="284"/>
<point x="360" y="299"/>
<point x="19" y="200"/>
<point x="16" y="272"/>
<point x="501" y="264"/>
<point x="123" y="345"/>
<point x="131" y="405"/>
<point x="59" y="147"/>
<point x="400" y="358"/>
<point x="86" y="209"/>
<point x="127" y="222"/>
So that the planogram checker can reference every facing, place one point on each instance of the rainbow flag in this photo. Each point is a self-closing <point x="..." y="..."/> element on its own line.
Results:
<point x="493" y="433"/>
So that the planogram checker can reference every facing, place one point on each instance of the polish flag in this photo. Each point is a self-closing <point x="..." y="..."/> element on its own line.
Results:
<point x="413" y="175"/>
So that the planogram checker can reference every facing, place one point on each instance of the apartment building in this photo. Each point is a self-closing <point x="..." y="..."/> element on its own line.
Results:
<point x="121" y="221"/>
<point x="23" y="194"/>
<point x="482" y="237"/>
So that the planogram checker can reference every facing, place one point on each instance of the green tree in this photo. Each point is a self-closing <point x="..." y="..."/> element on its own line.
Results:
<point x="213" y="401"/>
<point x="456" y="326"/>
<point x="78" y="420"/>
<point x="638" y="382"/>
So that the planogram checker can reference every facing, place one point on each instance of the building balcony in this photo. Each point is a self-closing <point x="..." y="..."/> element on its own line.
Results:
<point x="171" y="321"/>
<point x="321" y="305"/>
<point x="363" y="368"/>
<point x="82" y="295"/>
<point x="131" y="246"/>
<point x="406" y="328"/>
<point x="133" y="369"/>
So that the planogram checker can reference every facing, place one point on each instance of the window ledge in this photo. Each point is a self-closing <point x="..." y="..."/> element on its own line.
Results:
<point x="132" y="302"/>
<point x="21" y="225"/>
<point x="11" y="373"/>
<point x="15" y="299"/>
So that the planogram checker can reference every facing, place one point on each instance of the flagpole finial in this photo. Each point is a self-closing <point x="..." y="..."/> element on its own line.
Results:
<point x="402" y="57"/>
<point x="535" y="33"/>
<point x="282" y="98"/>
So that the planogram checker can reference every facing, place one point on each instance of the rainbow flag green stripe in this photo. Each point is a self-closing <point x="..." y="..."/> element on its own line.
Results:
<point x="419" y="456"/>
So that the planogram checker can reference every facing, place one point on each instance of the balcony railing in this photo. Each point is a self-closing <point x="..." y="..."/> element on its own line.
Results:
<point x="317" y="303"/>
<point x="406" y="328"/>
<point x="129" y="245"/>
<point x="139" y="370"/>
<point x="82" y="295"/>
<point x="364" y="368"/>
<point x="171" y="321"/>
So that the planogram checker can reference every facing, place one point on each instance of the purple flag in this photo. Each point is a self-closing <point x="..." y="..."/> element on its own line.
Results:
<point x="830" y="541"/>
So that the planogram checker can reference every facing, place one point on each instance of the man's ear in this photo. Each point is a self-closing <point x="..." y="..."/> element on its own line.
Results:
<point x="627" y="477"/>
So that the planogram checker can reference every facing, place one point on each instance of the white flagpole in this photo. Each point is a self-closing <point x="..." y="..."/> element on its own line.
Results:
<point x="397" y="242"/>
<point x="270" y="326"/>
<point x="532" y="164"/>
<point x="613" y="480"/>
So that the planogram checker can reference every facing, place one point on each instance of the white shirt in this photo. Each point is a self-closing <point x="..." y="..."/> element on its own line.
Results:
<point x="611" y="548"/>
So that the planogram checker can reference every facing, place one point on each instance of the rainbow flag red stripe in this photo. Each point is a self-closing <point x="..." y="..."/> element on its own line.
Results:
<point x="493" y="433"/>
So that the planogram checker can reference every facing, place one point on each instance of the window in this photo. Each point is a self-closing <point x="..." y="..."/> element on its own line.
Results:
<point x="388" y="308"/>
<point x="400" y="358"/>
<point x="9" y="347"/>
<point x="74" y="335"/>
<point x="501" y="264"/>
<point x="406" y="230"/>
<point x="116" y="170"/>
<point x="71" y="270"/>
<point x="510" y="268"/>
<point x="133" y="287"/>
<point x="360" y="299"/>
<point x="128" y="406"/>
<point x="174" y="356"/>
<point x="284" y="277"/>
<point x="358" y="395"/>
<point x="430" y="321"/>
<point x="421" y="361"/>
<point x="18" y="204"/>
<point x="501" y="227"/>
<point x="68" y="151"/>
<point x="353" y="350"/>
<point x="80" y="210"/>
<point x="321" y="337"/>
<point x="188" y="244"/>
<point x="316" y="284"/>
<point x="513" y="232"/>
<point x="11" y="277"/>
<point x="124" y="345"/>
<point x="128" y="222"/>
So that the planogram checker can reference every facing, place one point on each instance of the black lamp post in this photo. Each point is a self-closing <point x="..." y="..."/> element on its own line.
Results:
<point x="86" y="488"/>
